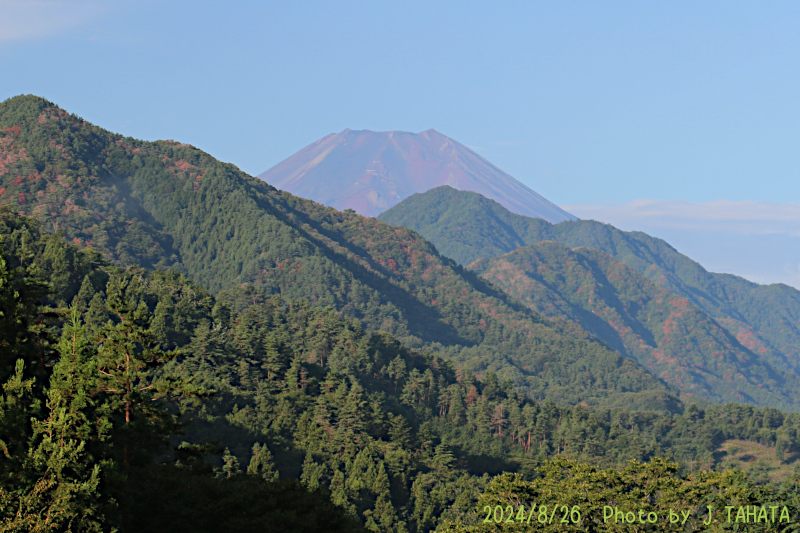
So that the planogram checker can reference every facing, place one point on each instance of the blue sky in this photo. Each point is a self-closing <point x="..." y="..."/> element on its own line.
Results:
<point x="592" y="104"/>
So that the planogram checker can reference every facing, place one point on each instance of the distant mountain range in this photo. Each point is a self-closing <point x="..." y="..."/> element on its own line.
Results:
<point x="166" y="204"/>
<point x="370" y="172"/>
<point x="715" y="335"/>
<point x="348" y="356"/>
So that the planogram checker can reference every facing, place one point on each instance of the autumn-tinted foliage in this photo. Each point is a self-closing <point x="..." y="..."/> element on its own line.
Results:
<point x="138" y="399"/>
<point x="358" y="428"/>
<point x="667" y="333"/>
<point x="763" y="322"/>
<point x="170" y="205"/>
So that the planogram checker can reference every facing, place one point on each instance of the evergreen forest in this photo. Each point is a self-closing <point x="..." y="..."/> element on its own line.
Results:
<point x="184" y="348"/>
<point x="167" y="205"/>
<point x="715" y="336"/>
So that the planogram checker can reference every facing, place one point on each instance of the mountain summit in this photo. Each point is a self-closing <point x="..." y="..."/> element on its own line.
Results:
<point x="370" y="172"/>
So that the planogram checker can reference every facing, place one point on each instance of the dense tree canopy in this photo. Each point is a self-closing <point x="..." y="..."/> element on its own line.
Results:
<point x="165" y="204"/>
<point x="183" y="347"/>
<point x="752" y="327"/>
<point x="158" y="405"/>
<point x="668" y="334"/>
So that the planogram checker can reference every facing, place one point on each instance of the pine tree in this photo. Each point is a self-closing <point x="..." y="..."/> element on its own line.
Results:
<point x="19" y="306"/>
<point x="230" y="464"/>
<point x="296" y="375"/>
<point x="127" y="353"/>
<point x="399" y="430"/>
<point x="18" y="405"/>
<point x="63" y="462"/>
<point x="313" y="474"/>
<point x="261" y="463"/>
<point x="498" y="420"/>
<point x="443" y="458"/>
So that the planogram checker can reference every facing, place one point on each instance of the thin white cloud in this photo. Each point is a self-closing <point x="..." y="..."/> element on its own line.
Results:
<point x="757" y="240"/>
<point x="36" y="19"/>
<point x="748" y="218"/>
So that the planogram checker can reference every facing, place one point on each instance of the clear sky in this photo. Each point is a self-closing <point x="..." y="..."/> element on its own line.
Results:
<point x="588" y="103"/>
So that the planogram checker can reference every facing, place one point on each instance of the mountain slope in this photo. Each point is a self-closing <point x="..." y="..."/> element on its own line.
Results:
<point x="400" y="440"/>
<point x="167" y="204"/>
<point x="668" y="334"/>
<point x="371" y="171"/>
<point x="465" y="226"/>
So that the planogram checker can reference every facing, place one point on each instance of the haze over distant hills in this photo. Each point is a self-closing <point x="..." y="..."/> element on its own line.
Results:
<point x="761" y="320"/>
<point x="304" y="321"/>
<point x="759" y="241"/>
<point x="165" y="204"/>
<point x="370" y="172"/>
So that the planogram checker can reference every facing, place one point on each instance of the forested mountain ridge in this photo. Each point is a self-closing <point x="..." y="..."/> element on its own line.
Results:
<point x="170" y="205"/>
<point x="398" y="440"/>
<point x="83" y="413"/>
<point x="667" y="333"/>
<point x="763" y="320"/>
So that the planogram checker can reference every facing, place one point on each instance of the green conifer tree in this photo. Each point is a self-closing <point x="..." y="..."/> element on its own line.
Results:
<point x="262" y="464"/>
<point x="230" y="464"/>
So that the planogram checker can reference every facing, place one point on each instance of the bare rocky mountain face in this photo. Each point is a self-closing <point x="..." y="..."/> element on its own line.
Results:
<point x="370" y="172"/>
